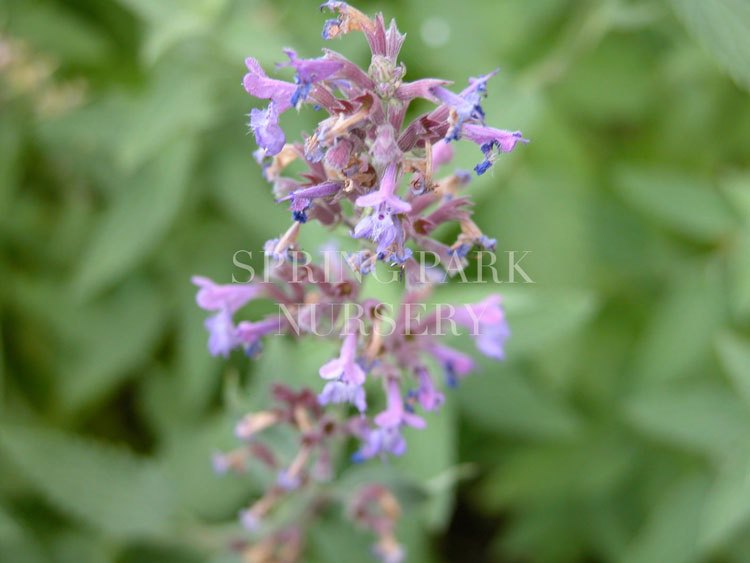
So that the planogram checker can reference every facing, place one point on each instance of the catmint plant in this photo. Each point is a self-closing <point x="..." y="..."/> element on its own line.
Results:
<point x="373" y="177"/>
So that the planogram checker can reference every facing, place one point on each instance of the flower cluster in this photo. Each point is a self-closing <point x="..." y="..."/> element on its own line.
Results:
<point x="367" y="171"/>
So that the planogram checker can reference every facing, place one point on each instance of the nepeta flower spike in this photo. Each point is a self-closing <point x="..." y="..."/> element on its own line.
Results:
<point x="367" y="172"/>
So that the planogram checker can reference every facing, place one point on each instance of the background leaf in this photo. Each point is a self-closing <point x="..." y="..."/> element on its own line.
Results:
<point x="106" y="487"/>
<point x="137" y="219"/>
<point x="721" y="27"/>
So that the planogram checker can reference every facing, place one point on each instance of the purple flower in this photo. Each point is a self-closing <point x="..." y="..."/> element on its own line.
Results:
<point x="362" y="261"/>
<point x="225" y="299"/>
<point x="345" y="366"/>
<point x="442" y="153"/>
<point x="455" y="363"/>
<point x="222" y="334"/>
<point x="230" y="297"/>
<point x="428" y="396"/>
<point x="268" y="133"/>
<point x="491" y="340"/>
<point x="487" y="324"/>
<point x="502" y="139"/>
<point x="286" y="481"/>
<point x="382" y="228"/>
<point x="491" y="141"/>
<point x="338" y="391"/>
<point x="419" y="89"/>
<point x="396" y="415"/>
<point x="339" y="154"/>
<point x="249" y="520"/>
<point x="309" y="71"/>
<point x="348" y="172"/>
<point x="385" y="43"/>
<point x="385" y="148"/>
<point x="388" y="551"/>
<point x="466" y="105"/>
<point x="221" y="463"/>
<point x="349" y="72"/>
<point x="257" y="84"/>
<point x="385" y="196"/>
<point x="302" y="199"/>
<point x="250" y="333"/>
<point x="379" y="442"/>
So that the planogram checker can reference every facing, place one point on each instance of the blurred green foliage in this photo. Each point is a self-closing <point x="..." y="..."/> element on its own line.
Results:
<point x="619" y="428"/>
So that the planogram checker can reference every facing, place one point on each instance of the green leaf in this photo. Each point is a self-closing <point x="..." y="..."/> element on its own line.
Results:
<point x="72" y="547"/>
<point x="678" y="339"/>
<point x="736" y="188"/>
<point x="159" y="552"/>
<point x="612" y="82"/>
<point x="683" y="203"/>
<point x="734" y="353"/>
<point x="10" y="150"/>
<point x="728" y="504"/>
<point x="106" y="351"/>
<point x="140" y="215"/>
<point x="704" y="418"/>
<point x="739" y="274"/>
<point x="723" y="28"/>
<point x="502" y="400"/>
<point x="171" y="21"/>
<point x="671" y="531"/>
<point x="75" y="40"/>
<point x="175" y="106"/>
<point x="107" y="487"/>
<point x="552" y="471"/>
<point x="543" y="317"/>
<point x="251" y="28"/>
<point x="10" y="530"/>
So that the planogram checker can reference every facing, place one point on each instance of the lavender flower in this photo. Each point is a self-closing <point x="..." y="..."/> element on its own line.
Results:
<point x="384" y="197"/>
<point x="231" y="297"/>
<point x="427" y="394"/>
<point x="345" y="366"/>
<point x="350" y="174"/>
<point x="488" y="326"/>
<point x="259" y="85"/>
<point x="455" y="363"/>
<point x="265" y="126"/>
<point x="340" y="391"/>
<point x="396" y="415"/>
<point x="309" y="71"/>
<point x="222" y="334"/>
<point x="492" y="142"/>
<point x="379" y="442"/>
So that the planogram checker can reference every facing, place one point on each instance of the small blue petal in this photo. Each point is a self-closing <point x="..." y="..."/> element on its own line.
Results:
<point x="461" y="251"/>
<point x="482" y="167"/>
<point x="254" y="349"/>
<point x="486" y="148"/>
<point x="300" y="94"/>
<point x="451" y="380"/>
